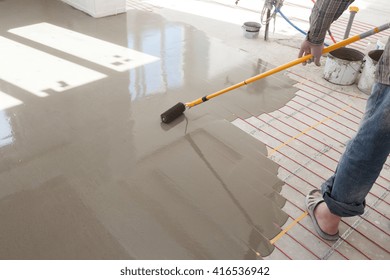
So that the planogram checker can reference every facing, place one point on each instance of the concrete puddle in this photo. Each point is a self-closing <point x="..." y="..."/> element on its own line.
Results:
<point x="199" y="188"/>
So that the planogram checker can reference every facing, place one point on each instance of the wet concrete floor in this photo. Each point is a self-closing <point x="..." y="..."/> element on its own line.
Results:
<point x="88" y="171"/>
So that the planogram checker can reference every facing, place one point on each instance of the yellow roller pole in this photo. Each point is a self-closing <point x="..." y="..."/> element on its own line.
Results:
<point x="302" y="59"/>
<point x="272" y="71"/>
<point x="178" y="109"/>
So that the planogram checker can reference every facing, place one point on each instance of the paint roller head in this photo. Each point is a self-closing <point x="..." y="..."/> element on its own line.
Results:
<point x="173" y="113"/>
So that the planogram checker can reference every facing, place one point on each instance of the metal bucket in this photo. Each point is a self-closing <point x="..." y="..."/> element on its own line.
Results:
<point x="251" y="29"/>
<point x="343" y="66"/>
<point x="367" y="78"/>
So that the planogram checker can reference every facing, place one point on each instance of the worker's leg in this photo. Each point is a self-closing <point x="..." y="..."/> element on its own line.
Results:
<point x="363" y="159"/>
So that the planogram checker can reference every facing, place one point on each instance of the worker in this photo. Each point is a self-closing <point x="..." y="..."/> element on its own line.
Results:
<point x="344" y="193"/>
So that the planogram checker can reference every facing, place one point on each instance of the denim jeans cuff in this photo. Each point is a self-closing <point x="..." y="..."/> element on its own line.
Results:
<point x="343" y="209"/>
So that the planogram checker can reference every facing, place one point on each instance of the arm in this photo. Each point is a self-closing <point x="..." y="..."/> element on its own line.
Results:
<point x="324" y="13"/>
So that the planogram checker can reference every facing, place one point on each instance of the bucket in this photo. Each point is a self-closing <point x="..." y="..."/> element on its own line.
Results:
<point x="367" y="78"/>
<point x="381" y="43"/>
<point x="251" y="29"/>
<point x="343" y="66"/>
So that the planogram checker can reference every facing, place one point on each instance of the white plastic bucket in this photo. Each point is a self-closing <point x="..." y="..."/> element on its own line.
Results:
<point x="381" y="43"/>
<point x="251" y="29"/>
<point x="343" y="66"/>
<point x="367" y="78"/>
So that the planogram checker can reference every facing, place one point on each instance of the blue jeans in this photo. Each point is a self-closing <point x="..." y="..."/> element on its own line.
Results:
<point x="363" y="159"/>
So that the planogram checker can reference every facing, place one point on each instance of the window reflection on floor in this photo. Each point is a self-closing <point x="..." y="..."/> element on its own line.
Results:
<point x="155" y="78"/>
<point x="6" y="137"/>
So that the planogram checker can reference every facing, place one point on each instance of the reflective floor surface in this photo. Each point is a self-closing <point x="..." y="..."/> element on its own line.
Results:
<point x="87" y="169"/>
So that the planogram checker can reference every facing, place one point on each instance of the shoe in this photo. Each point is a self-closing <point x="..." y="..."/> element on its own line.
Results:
<point x="313" y="199"/>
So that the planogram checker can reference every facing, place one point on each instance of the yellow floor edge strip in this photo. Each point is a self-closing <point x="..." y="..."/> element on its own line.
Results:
<point x="290" y="226"/>
<point x="305" y="131"/>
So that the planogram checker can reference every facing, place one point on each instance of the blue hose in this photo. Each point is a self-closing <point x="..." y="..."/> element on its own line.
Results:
<point x="292" y="24"/>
